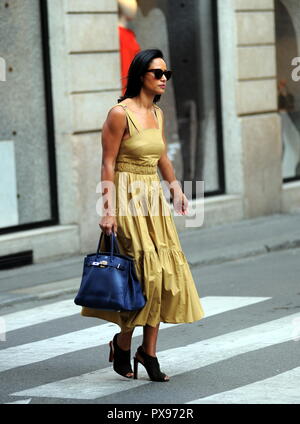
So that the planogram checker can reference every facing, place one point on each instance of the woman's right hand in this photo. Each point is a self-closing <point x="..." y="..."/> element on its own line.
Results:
<point x="108" y="224"/>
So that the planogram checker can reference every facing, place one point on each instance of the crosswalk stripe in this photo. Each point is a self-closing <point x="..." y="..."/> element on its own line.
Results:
<point x="174" y="361"/>
<point x="98" y="335"/>
<point x="40" y="314"/>
<point x="18" y="401"/>
<point x="282" y="388"/>
<point x="66" y="308"/>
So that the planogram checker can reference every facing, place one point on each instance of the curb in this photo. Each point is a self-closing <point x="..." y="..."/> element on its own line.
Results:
<point x="247" y="254"/>
<point x="27" y="298"/>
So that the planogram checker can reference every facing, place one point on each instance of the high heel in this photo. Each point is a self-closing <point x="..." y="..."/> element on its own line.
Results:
<point x="150" y="363"/>
<point x="120" y="358"/>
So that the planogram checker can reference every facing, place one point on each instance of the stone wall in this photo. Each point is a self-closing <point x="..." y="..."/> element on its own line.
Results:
<point x="252" y="128"/>
<point x="86" y="78"/>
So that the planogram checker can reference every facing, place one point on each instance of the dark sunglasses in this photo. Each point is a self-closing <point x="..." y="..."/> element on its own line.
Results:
<point x="158" y="73"/>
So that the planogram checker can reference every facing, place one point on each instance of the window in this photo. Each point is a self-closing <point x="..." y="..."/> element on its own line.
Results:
<point x="287" y="48"/>
<point x="186" y="32"/>
<point x="27" y="162"/>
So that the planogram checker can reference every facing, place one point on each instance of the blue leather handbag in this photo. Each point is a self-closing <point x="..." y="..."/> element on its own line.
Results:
<point x="109" y="280"/>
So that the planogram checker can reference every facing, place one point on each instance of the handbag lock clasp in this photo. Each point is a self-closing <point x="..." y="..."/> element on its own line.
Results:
<point x="102" y="264"/>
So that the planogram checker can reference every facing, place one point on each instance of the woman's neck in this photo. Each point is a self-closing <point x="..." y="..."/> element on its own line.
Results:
<point x="144" y="101"/>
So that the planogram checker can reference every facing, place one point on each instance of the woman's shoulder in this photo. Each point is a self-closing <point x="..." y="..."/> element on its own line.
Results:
<point x="116" y="115"/>
<point x="117" y="108"/>
<point x="158" y="109"/>
<point x="123" y="105"/>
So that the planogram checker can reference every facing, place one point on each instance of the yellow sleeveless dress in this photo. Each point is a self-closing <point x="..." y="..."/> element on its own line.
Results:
<point x="160" y="263"/>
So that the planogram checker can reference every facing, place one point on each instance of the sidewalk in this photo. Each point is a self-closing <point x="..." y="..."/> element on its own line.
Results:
<point x="201" y="246"/>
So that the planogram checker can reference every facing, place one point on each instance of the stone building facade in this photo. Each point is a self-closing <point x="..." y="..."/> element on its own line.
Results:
<point x="85" y="81"/>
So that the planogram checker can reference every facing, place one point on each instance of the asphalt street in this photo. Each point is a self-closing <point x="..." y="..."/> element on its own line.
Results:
<point x="245" y="350"/>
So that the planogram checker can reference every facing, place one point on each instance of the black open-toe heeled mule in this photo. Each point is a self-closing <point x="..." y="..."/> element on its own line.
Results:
<point x="150" y="363"/>
<point x="120" y="359"/>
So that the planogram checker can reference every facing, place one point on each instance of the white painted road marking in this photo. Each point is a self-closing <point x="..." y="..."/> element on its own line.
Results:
<point x="18" y="401"/>
<point x="98" y="335"/>
<point x="40" y="314"/>
<point x="66" y="308"/>
<point x="282" y="388"/>
<point x="175" y="361"/>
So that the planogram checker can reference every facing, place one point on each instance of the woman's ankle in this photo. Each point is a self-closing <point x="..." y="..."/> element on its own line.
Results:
<point x="149" y="351"/>
<point x="124" y="342"/>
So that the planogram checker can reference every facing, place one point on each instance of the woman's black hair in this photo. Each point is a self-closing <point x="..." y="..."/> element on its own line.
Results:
<point x="137" y="68"/>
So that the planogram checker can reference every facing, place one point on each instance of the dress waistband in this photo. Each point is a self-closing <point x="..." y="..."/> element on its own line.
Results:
<point x="135" y="168"/>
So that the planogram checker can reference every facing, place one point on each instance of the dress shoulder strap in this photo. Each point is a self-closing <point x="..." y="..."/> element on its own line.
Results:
<point x="158" y="113"/>
<point x="133" y="125"/>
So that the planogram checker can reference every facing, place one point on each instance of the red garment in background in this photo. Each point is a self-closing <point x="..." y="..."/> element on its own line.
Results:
<point x="129" y="47"/>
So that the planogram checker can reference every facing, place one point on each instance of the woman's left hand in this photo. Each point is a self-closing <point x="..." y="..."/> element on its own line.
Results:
<point x="180" y="203"/>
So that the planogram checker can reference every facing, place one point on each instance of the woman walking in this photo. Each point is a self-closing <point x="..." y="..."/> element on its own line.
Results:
<point x="134" y="145"/>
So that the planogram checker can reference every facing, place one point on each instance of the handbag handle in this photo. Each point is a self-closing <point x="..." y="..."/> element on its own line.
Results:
<point x="113" y="244"/>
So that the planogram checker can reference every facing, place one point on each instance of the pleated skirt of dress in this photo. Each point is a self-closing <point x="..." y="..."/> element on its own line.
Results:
<point x="160" y="263"/>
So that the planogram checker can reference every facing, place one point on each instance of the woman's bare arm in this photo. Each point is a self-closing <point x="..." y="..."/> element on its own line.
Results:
<point x="112" y="134"/>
